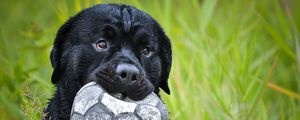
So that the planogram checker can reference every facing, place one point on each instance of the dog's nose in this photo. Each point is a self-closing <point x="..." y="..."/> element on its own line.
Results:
<point x="127" y="72"/>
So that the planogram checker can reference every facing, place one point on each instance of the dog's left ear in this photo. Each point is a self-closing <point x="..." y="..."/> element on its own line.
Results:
<point x="165" y="57"/>
<point x="56" y="52"/>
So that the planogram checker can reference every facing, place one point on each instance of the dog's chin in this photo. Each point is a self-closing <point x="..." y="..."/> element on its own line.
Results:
<point x="135" y="90"/>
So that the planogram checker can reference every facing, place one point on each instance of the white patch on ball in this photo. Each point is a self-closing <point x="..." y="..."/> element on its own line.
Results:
<point x="92" y="102"/>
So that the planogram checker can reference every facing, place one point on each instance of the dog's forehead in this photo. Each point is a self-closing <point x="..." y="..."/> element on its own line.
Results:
<point x="123" y="16"/>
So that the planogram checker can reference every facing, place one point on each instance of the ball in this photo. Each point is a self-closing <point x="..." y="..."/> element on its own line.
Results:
<point x="92" y="102"/>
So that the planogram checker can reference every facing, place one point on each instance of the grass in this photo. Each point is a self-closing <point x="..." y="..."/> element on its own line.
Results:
<point x="232" y="59"/>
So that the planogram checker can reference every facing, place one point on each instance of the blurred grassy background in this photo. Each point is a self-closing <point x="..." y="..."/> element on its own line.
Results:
<point x="233" y="59"/>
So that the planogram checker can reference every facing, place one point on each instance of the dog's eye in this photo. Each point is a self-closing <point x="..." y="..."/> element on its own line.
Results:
<point x="146" y="51"/>
<point x="101" y="44"/>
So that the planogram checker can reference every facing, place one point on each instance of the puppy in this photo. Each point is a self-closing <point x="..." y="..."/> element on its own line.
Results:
<point x="120" y="47"/>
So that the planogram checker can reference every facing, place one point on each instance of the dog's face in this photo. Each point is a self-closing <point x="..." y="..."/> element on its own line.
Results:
<point x="121" y="48"/>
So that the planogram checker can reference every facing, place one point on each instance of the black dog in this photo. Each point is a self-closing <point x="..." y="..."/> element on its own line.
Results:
<point x="120" y="47"/>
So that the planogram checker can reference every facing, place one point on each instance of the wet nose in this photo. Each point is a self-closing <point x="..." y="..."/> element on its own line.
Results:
<point x="127" y="72"/>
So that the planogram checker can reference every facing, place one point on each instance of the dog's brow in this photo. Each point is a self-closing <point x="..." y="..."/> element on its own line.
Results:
<point x="140" y="34"/>
<point x="113" y="27"/>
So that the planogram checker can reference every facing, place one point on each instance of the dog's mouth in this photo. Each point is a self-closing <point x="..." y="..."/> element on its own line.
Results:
<point x="136" y="87"/>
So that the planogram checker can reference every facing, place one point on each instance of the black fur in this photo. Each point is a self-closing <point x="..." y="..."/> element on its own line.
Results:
<point x="129" y="33"/>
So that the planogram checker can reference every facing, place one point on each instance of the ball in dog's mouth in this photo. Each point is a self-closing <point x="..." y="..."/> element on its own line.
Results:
<point x="93" y="102"/>
<point x="120" y="96"/>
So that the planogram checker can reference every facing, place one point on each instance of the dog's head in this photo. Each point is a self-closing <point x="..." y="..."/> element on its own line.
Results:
<point x="118" y="46"/>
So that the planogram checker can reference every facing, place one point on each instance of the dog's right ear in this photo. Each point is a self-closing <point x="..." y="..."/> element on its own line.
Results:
<point x="56" y="52"/>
